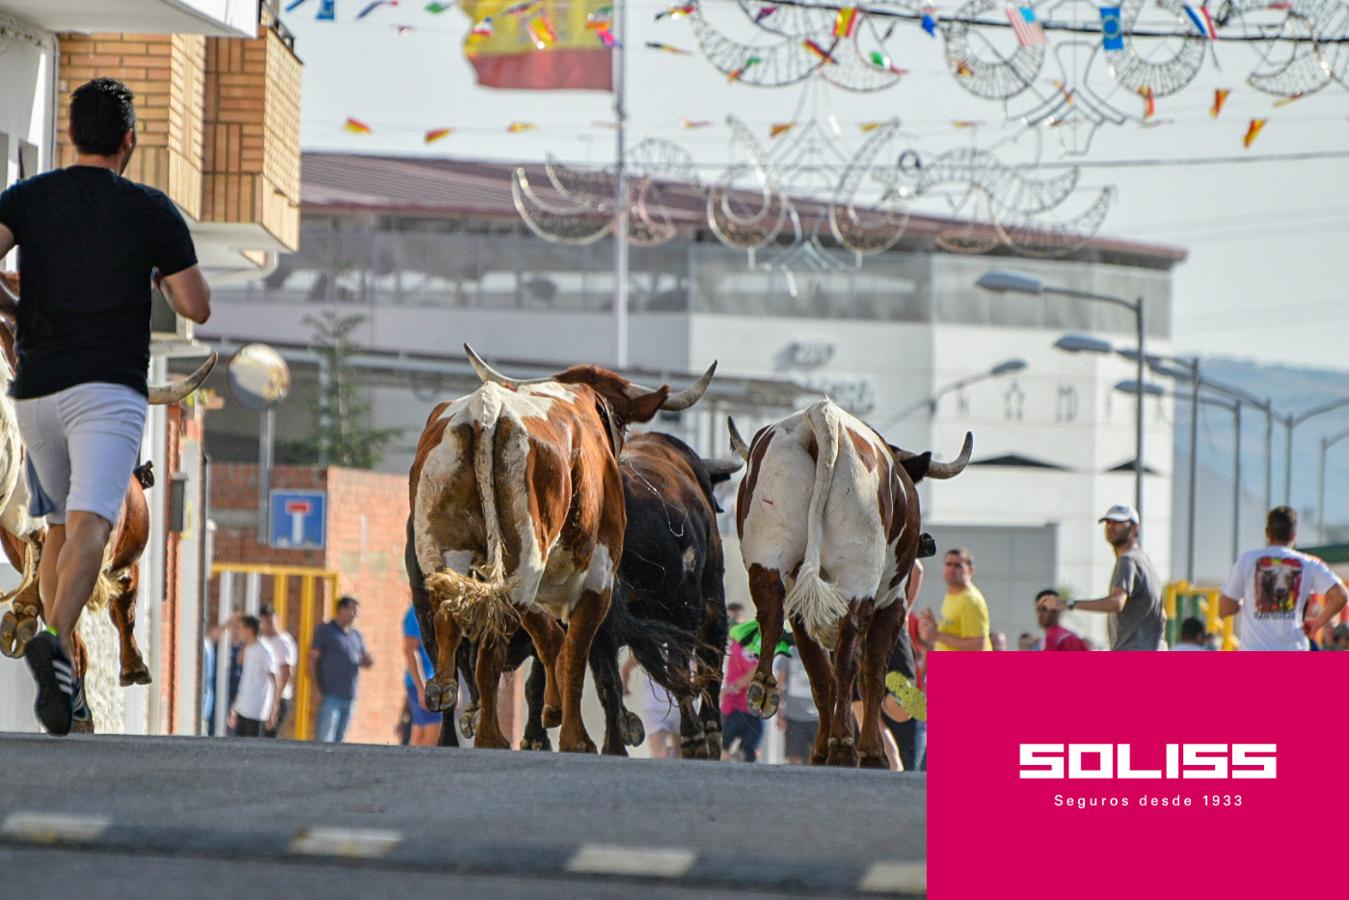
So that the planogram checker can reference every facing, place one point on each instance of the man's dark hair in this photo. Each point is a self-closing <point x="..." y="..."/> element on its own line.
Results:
<point x="735" y="606"/>
<point x="102" y="111"/>
<point x="347" y="602"/>
<point x="252" y="624"/>
<point x="963" y="552"/>
<point x="1282" y="524"/>
<point x="266" y="610"/>
<point x="1047" y="592"/>
<point x="1192" y="630"/>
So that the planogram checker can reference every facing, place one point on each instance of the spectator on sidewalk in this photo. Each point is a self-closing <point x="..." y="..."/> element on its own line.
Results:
<point x="964" y="611"/>
<point x="739" y="725"/>
<point x="798" y="718"/>
<point x="1056" y="636"/>
<point x="335" y="662"/>
<point x="286" y="655"/>
<point x="255" y="707"/>
<point x="1192" y="635"/>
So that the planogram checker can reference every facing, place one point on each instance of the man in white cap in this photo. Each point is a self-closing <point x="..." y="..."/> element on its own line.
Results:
<point x="1135" y="598"/>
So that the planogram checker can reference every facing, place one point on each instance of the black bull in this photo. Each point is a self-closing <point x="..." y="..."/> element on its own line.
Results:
<point x="669" y="606"/>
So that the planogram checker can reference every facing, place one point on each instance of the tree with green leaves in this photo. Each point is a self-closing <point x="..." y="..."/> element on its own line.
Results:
<point x="341" y="435"/>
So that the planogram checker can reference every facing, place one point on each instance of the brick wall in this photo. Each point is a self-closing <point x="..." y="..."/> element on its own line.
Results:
<point x="367" y="515"/>
<point x="167" y="73"/>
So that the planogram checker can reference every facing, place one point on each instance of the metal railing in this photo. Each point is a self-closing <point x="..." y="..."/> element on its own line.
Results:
<point x="310" y="613"/>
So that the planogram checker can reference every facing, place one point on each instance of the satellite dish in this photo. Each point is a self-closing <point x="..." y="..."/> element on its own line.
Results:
<point x="259" y="377"/>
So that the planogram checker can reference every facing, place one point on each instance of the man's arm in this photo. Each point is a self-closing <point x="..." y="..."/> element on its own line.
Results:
<point x="366" y="661"/>
<point x="188" y="293"/>
<point x="1228" y="606"/>
<point x="7" y="242"/>
<point x="957" y="642"/>
<point x="1335" y="600"/>
<point x="1112" y="602"/>
<point x="414" y="665"/>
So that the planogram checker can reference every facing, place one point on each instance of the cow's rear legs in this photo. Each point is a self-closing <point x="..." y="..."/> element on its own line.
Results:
<point x="768" y="591"/>
<point x="586" y="619"/>
<point x="842" y="736"/>
<point x="122" y="611"/>
<point x="547" y="636"/>
<point x="535" y="736"/>
<point x="879" y="644"/>
<point x="821" y="674"/>
<point x="442" y="691"/>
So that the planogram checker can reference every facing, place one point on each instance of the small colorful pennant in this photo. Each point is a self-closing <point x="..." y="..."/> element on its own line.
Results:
<point x="763" y="13"/>
<point x="294" y="4"/>
<point x="966" y="123"/>
<point x="780" y="128"/>
<point x="1284" y="101"/>
<point x="695" y="123"/>
<point x="541" y="30"/>
<point x="1203" y="21"/>
<point x="374" y="5"/>
<point x="1149" y="101"/>
<point x="482" y="29"/>
<point x="675" y="12"/>
<point x="668" y="48"/>
<point x="436" y="134"/>
<point x="517" y="127"/>
<point x="881" y="61"/>
<point x="868" y="127"/>
<point x="930" y="20"/>
<point x="816" y="50"/>
<point x="845" y="22"/>
<point x="1252" y="131"/>
<point x="327" y="11"/>
<point x="1027" y="29"/>
<point x="356" y="126"/>
<point x="1219" y="98"/>
<point x="739" y="73"/>
<point x="1112" y="28"/>
<point x="436" y="9"/>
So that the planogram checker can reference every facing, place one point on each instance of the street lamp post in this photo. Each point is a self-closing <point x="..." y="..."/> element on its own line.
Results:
<point x="1292" y="422"/>
<point x="1233" y="406"/>
<point x="1006" y="367"/>
<point x="1326" y="444"/>
<point x="1004" y="281"/>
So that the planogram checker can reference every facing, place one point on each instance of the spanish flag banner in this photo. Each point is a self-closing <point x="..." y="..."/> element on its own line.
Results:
<point x="540" y="46"/>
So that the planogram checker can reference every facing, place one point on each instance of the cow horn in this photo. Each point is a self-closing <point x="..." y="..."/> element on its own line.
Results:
<point x="492" y="376"/>
<point x="737" y="442"/>
<point x="722" y="466"/>
<point x="946" y="470"/>
<point x="680" y="401"/>
<point x="161" y="394"/>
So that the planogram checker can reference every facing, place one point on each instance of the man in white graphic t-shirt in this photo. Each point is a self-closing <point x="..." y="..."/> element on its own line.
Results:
<point x="1270" y="588"/>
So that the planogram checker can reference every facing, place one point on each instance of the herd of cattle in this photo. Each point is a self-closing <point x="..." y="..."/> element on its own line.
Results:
<point x="533" y="509"/>
<point x="540" y="528"/>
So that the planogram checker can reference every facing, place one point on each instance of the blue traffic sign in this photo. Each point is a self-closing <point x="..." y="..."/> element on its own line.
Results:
<point x="299" y="519"/>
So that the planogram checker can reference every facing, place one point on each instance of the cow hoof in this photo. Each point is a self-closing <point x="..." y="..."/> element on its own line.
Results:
<point x="440" y="697"/>
<point x="615" y="749"/>
<point x="552" y="716"/>
<point x="82" y="727"/>
<point x="468" y="722"/>
<point x="873" y="761"/>
<point x="585" y="745"/>
<point x="696" y="748"/>
<point x="541" y="743"/>
<point x="633" y="731"/>
<point x="135" y="675"/>
<point x="763" y="699"/>
<point x="496" y="742"/>
<point x="16" y="632"/>
<point x="817" y="758"/>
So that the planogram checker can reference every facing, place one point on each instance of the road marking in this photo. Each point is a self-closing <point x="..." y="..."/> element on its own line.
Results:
<point x="52" y="828"/>
<point x="895" y="878"/>
<point x="353" y="843"/>
<point x="613" y="859"/>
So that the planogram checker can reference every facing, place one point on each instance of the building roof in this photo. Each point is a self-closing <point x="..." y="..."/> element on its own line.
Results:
<point x="338" y="183"/>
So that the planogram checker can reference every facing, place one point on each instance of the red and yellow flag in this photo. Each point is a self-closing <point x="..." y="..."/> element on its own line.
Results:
<point x="1219" y="98"/>
<point x="778" y="128"/>
<point x="1149" y="101"/>
<point x="1252" y="131"/>
<point x="540" y="46"/>
<point x="356" y="126"/>
<point x="436" y="134"/>
<point x="845" y="22"/>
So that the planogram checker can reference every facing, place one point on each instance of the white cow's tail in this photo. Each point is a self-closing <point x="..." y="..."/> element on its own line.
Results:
<point x="819" y="604"/>
<point x="480" y="601"/>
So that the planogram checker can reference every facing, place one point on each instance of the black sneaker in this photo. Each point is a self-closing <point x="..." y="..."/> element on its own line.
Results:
<point x="60" y="695"/>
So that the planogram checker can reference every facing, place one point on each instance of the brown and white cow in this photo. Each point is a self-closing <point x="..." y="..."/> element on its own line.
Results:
<point x="518" y="519"/>
<point x="828" y="519"/>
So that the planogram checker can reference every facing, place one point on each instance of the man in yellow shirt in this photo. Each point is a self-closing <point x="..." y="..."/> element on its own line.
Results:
<point x="964" y="611"/>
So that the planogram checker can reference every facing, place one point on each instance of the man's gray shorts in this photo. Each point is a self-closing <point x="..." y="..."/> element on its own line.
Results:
<point x="82" y="445"/>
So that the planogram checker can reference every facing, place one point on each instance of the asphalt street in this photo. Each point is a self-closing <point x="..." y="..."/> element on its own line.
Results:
<point x="111" y="816"/>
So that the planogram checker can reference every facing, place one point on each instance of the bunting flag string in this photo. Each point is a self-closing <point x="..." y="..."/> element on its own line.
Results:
<point x="1252" y="131"/>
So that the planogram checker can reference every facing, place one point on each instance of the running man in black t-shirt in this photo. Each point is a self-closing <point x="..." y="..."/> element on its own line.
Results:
<point x="89" y="241"/>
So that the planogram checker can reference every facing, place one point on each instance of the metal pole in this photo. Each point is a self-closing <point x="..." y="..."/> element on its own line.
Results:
<point x="1269" y="453"/>
<point x="1321" y="494"/>
<point x="266" y="443"/>
<point x="1288" y="462"/>
<point x="1138" y="433"/>
<point x="1194" y="470"/>
<point x="1236" y="485"/>
<point x="621" y="198"/>
<point x="224" y="610"/>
